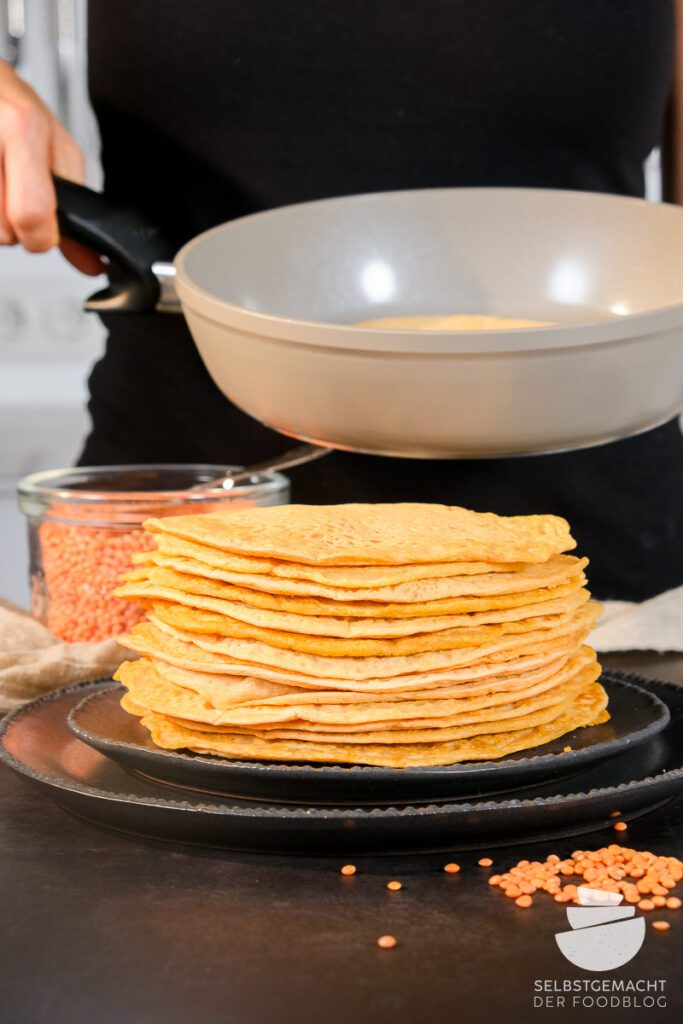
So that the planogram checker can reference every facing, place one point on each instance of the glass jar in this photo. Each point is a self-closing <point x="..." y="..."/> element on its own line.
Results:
<point x="84" y="524"/>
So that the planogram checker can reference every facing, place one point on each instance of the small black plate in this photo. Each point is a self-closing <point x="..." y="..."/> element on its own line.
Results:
<point x="100" y="721"/>
<point x="36" y="742"/>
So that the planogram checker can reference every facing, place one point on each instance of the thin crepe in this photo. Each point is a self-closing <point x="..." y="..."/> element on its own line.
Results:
<point x="197" y="579"/>
<point x="589" y="708"/>
<point x="158" y="641"/>
<point x="382" y="534"/>
<point x="319" y="667"/>
<point x="152" y="690"/>
<point x="195" y="620"/>
<point x="229" y="691"/>
<point x="555" y="571"/>
<point x="167" y="585"/>
<point x="335" y="576"/>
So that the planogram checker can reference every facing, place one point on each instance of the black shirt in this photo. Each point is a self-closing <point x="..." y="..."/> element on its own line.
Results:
<point x="213" y="110"/>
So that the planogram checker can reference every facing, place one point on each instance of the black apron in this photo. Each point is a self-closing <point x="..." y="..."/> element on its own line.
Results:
<point x="213" y="110"/>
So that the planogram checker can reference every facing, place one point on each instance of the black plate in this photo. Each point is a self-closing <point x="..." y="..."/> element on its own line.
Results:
<point x="38" y="744"/>
<point x="100" y="721"/>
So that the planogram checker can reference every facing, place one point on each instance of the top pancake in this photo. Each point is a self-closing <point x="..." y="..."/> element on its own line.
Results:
<point x="366" y="535"/>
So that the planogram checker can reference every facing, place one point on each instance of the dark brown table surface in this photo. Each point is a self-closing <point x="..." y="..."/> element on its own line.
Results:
<point x="101" y="929"/>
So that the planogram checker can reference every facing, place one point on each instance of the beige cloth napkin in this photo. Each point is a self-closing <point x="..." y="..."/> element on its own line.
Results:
<point x="33" y="661"/>
<point x="654" y="625"/>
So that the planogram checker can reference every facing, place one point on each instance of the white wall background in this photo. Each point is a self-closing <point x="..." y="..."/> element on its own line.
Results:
<point x="47" y="344"/>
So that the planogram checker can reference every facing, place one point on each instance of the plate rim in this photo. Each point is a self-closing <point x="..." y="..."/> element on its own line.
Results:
<point x="306" y="813"/>
<point x="489" y="767"/>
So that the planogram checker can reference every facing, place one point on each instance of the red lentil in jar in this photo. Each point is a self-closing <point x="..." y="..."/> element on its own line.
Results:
<point x="84" y="525"/>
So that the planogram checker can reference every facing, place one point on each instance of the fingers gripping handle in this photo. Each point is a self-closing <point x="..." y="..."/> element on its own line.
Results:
<point x="129" y="241"/>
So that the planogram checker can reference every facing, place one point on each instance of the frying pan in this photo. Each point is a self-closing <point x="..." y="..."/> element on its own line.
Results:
<point x="271" y="300"/>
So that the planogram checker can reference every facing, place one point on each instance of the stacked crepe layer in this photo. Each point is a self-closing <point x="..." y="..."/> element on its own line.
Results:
<point x="394" y="635"/>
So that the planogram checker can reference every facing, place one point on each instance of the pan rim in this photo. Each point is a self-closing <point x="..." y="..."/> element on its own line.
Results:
<point x="329" y="334"/>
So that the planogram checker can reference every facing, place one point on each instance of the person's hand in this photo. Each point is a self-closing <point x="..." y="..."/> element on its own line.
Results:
<point x="33" y="143"/>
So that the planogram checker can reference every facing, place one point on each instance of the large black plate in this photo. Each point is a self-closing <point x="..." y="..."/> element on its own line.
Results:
<point x="101" y="722"/>
<point x="38" y="744"/>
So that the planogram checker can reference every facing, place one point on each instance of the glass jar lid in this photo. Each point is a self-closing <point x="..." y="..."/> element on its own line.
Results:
<point x="124" y="495"/>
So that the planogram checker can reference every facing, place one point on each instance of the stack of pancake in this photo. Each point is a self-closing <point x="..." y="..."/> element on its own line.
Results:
<point x="396" y="635"/>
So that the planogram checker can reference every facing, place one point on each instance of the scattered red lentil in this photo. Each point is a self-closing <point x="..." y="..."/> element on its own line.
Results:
<point x="661" y="926"/>
<point x="348" y="869"/>
<point x="615" y="814"/>
<point x="620" y="826"/>
<point x="524" y="901"/>
<point x="640" y="876"/>
<point x="451" y="869"/>
<point x="566" y="750"/>
<point x="386" y="942"/>
<point x="394" y="886"/>
<point x="485" y="862"/>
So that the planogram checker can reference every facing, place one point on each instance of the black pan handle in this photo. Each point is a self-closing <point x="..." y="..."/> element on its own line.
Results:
<point x="130" y="242"/>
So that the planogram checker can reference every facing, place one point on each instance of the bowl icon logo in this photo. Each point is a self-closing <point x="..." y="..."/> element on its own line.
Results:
<point x="604" y="935"/>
